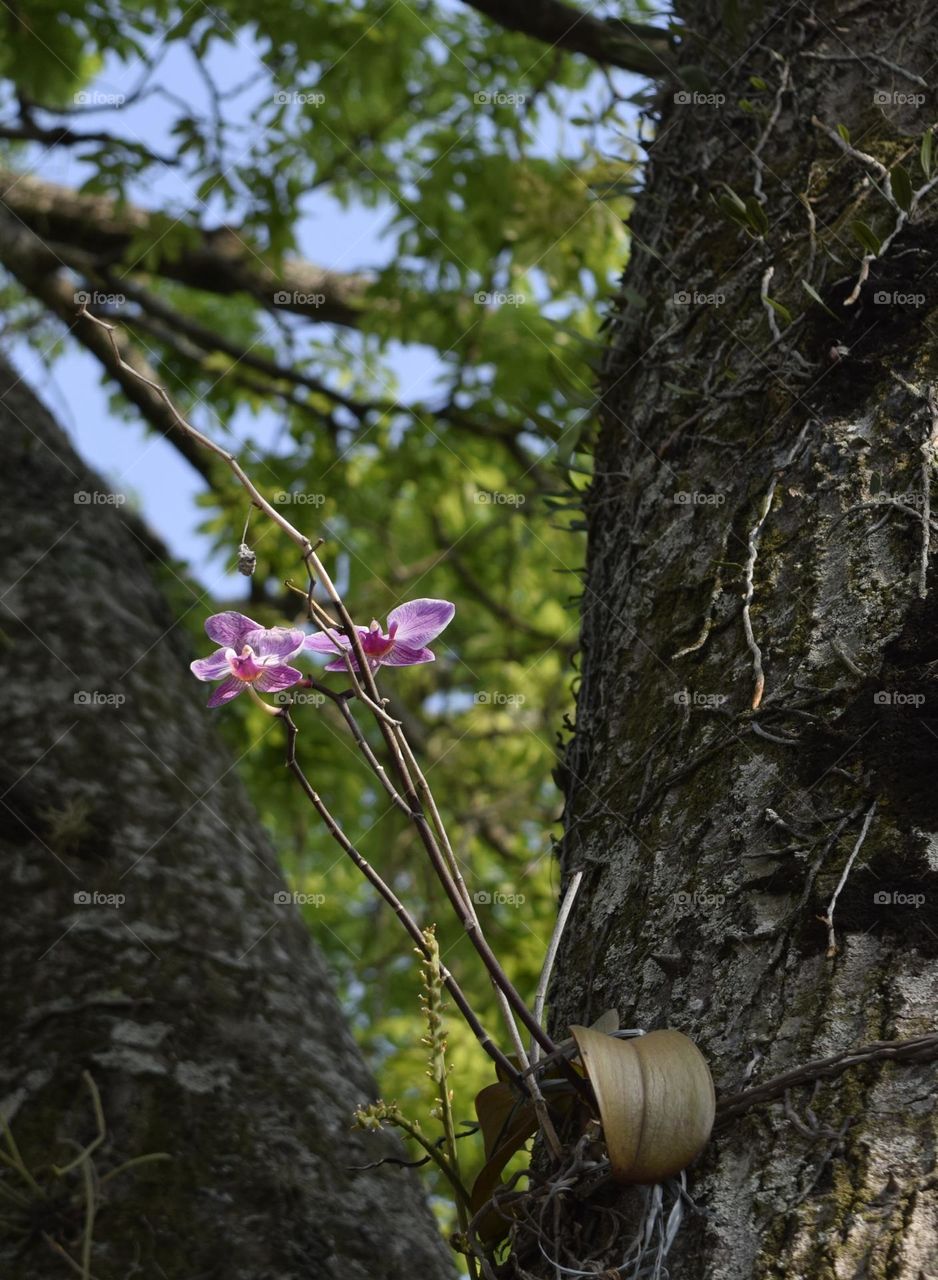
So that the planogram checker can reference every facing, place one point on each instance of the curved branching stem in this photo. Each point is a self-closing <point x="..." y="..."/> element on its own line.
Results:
<point x="412" y="784"/>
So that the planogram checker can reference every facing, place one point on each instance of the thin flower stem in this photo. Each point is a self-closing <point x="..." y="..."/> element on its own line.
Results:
<point x="416" y="816"/>
<point x="477" y="938"/>
<point x="341" y="700"/>
<point x="436" y="1156"/>
<point x="387" y="893"/>
<point x="424" y="789"/>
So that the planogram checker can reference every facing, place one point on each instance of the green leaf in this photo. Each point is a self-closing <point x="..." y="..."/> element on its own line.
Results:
<point x="866" y="236"/>
<point x="731" y="208"/>
<point x="844" y="133"/>
<point x="755" y="216"/>
<point x="925" y="153"/>
<point x="740" y="205"/>
<point x="813" y="293"/>
<point x="757" y="82"/>
<point x="780" y="309"/>
<point x="901" y="185"/>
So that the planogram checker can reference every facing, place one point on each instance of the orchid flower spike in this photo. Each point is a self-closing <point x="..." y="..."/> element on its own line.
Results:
<point x="250" y="655"/>
<point x="411" y="627"/>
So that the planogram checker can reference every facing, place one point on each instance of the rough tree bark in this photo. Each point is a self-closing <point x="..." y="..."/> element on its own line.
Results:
<point x="200" y="1009"/>
<point x="714" y="835"/>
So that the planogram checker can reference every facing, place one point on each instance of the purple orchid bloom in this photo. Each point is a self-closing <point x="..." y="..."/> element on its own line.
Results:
<point x="411" y="627"/>
<point x="250" y="655"/>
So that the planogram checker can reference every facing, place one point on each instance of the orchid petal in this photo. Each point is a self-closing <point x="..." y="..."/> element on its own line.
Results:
<point x="228" y="628"/>
<point x="211" y="668"/>
<point x="404" y="655"/>
<point x="420" y="621"/>
<point x="280" y="677"/>
<point x="227" y="690"/>
<point x="339" y="665"/>
<point x="275" y="642"/>
<point x="329" y="642"/>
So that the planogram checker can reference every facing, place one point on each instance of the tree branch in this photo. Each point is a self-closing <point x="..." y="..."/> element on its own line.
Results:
<point x="29" y="130"/>
<point x="37" y="269"/>
<point x="218" y="261"/>
<point x="631" y="46"/>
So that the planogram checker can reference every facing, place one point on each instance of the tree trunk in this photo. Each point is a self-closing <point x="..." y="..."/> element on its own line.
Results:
<point x="143" y="945"/>
<point x="771" y="465"/>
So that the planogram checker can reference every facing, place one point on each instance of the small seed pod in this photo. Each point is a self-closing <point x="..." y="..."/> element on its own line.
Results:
<point x="247" y="560"/>
<point x="655" y="1097"/>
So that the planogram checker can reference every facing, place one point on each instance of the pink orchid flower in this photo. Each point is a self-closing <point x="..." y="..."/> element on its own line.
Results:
<point x="250" y="655"/>
<point x="411" y="627"/>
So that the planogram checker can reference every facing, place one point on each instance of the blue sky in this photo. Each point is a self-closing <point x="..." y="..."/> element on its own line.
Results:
<point x="132" y="459"/>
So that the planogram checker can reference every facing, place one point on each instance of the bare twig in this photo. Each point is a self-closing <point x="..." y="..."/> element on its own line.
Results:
<point x="922" y="1048"/>
<point x="539" y="1000"/>
<point x="563" y="915"/>
<point x="828" y="918"/>
<point x="868" y="57"/>
<point x="783" y="83"/>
